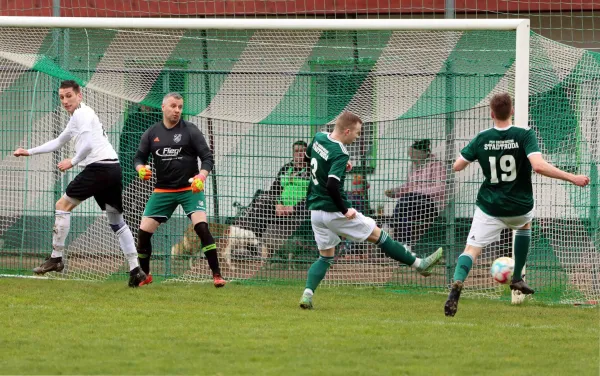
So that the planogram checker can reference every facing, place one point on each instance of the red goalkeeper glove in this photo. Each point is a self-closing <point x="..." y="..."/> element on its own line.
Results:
<point x="198" y="183"/>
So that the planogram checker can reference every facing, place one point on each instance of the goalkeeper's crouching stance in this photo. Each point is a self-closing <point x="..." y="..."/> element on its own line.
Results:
<point x="175" y="146"/>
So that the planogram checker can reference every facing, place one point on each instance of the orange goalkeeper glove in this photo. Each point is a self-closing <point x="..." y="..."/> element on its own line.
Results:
<point x="198" y="183"/>
<point x="145" y="173"/>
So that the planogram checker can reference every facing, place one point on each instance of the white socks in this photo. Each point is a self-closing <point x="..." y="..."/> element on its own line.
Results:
<point x="308" y="292"/>
<point x="62" y="225"/>
<point x="128" y="246"/>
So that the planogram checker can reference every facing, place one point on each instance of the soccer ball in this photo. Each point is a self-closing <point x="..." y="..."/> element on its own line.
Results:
<point x="502" y="269"/>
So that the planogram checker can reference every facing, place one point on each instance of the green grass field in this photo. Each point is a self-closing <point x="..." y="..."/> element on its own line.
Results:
<point x="66" y="327"/>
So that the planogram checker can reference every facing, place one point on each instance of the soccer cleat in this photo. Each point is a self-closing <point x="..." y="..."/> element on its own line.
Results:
<point x="306" y="301"/>
<point x="451" y="305"/>
<point x="50" y="265"/>
<point x="218" y="280"/>
<point x="146" y="281"/>
<point x="428" y="262"/>
<point x="521" y="286"/>
<point x="136" y="277"/>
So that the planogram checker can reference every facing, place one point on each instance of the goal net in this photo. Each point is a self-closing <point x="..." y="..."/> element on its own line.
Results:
<point x="255" y="91"/>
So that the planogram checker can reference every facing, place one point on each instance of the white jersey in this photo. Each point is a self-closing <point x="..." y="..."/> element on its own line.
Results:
<point x="84" y="119"/>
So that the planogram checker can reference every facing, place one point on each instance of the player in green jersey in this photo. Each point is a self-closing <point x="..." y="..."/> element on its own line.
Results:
<point x="332" y="215"/>
<point x="507" y="155"/>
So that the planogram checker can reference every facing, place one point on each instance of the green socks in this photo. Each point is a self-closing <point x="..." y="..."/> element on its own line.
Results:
<point x="394" y="249"/>
<point x="463" y="266"/>
<point x="317" y="272"/>
<point x="521" y="248"/>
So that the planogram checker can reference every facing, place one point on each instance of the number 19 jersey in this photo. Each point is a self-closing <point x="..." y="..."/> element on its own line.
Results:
<point x="503" y="154"/>
<point x="328" y="158"/>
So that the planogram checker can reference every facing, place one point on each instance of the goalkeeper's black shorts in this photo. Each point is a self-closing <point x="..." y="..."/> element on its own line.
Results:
<point x="102" y="180"/>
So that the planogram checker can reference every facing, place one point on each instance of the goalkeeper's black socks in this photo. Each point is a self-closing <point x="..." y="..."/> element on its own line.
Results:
<point x="145" y="264"/>
<point x="208" y="246"/>
<point x="213" y="260"/>
<point x="144" y="249"/>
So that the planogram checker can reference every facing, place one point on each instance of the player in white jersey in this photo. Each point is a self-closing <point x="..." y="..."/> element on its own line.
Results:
<point x="100" y="178"/>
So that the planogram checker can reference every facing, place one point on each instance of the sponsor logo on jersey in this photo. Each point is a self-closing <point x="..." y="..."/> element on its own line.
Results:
<point x="168" y="152"/>
<point x="320" y="150"/>
<point x="177" y="138"/>
<point x="156" y="139"/>
<point x="501" y="145"/>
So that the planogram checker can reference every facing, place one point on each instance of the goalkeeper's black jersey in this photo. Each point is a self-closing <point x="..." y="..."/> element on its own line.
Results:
<point x="175" y="153"/>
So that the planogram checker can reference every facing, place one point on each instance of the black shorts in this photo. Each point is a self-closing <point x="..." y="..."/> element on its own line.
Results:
<point x="101" y="180"/>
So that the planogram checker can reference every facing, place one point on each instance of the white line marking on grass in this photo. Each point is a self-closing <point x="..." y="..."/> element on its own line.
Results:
<point x="23" y="276"/>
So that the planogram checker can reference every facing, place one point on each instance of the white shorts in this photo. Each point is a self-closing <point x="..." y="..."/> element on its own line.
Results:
<point x="328" y="227"/>
<point x="486" y="229"/>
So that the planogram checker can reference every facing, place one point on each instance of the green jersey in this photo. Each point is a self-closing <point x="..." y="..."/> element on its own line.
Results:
<point x="328" y="158"/>
<point x="503" y="156"/>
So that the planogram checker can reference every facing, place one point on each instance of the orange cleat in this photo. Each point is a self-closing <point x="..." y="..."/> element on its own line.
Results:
<point x="218" y="280"/>
<point x="147" y="281"/>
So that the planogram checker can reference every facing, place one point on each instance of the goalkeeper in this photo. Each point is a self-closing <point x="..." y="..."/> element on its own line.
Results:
<point x="175" y="146"/>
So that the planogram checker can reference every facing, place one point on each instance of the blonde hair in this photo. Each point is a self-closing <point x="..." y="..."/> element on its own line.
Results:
<point x="347" y="120"/>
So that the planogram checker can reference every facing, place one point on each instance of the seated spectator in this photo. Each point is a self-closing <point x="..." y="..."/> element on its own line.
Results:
<point x="276" y="214"/>
<point x="422" y="197"/>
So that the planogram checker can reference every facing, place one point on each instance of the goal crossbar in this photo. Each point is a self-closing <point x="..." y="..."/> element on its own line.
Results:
<point x="521" y="26"/>
<point x="254" y="24"/>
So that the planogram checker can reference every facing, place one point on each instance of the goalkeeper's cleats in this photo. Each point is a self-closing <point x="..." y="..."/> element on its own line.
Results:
<point x="427" y="263"/>
<point x="218" y="280"/>
<point x="147" y="281"/>
<point x="306" y="301"/>
<point x="451" y="305"/>
<point x="145" y="173"/>
<point x="52" y="264"/>
<point x="520" y="285"/>
<point x="136" y="276"/>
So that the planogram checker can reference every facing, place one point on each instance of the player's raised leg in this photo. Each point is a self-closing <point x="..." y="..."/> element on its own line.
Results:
<point x="62" y="225"/>
<point x="399" y="252"/>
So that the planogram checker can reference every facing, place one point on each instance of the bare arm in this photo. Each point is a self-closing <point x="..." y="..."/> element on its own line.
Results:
<point x="542" y="167"/>
<point x="460" y="164"/>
